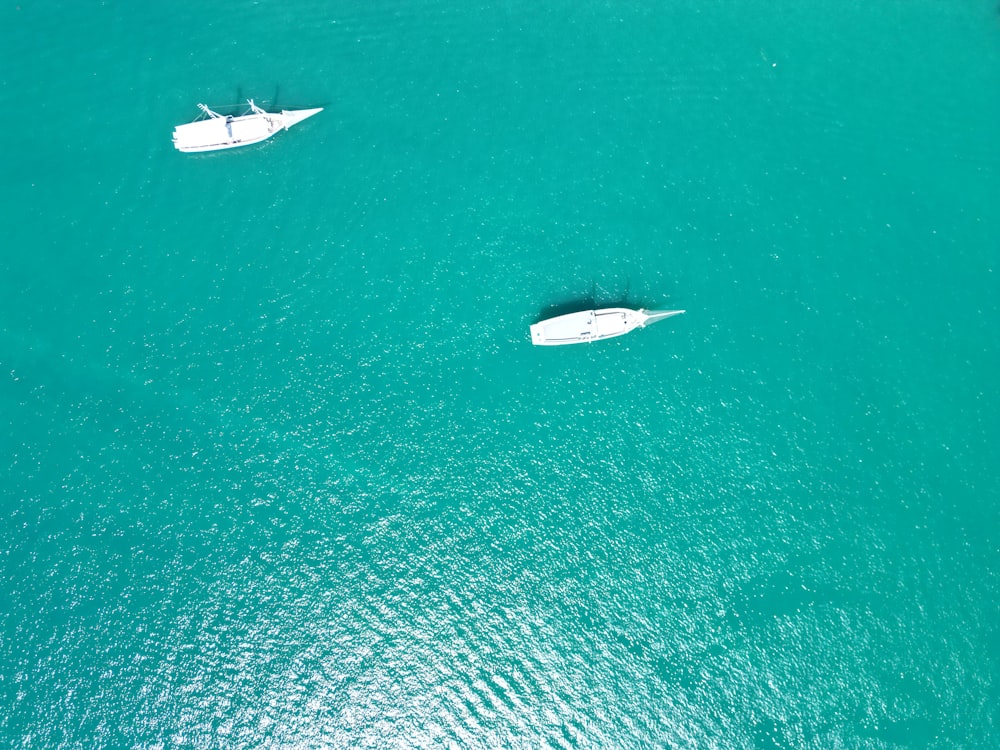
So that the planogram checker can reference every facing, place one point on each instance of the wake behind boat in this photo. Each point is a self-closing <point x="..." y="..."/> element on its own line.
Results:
<point x="593" y="325"/>
<point x="213" y="131"/>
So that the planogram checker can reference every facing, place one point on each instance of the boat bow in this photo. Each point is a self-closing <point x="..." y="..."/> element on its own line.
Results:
<point x="294" y="117"/>
<point x="655" y="316"/>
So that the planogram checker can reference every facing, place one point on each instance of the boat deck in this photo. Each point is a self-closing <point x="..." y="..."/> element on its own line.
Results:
<point x="225" y="132"/>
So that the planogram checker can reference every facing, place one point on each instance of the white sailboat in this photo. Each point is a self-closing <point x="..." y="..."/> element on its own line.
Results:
<point x="594" y="325"/>
<point x="214" y="131"/>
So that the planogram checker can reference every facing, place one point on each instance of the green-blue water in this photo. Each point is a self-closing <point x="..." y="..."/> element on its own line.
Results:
<point x="282" y="468"/>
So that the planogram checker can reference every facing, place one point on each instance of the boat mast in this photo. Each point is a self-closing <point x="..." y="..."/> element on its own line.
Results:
<point x="208" y="112"/>
<point x="266" y="115"/>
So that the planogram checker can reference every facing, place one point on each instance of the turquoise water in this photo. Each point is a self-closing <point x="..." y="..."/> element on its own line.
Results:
<point x="285" y="471"/>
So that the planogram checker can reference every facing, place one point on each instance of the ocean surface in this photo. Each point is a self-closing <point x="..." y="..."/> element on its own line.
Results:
<point x="282" y="469"/>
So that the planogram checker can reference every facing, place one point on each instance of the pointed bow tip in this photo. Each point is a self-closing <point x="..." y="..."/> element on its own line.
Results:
<point x="655" y="316"/>
<point x="295" y="116"/>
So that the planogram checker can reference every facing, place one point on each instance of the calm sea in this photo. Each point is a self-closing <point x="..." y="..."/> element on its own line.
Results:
<point x="281" y="468"/>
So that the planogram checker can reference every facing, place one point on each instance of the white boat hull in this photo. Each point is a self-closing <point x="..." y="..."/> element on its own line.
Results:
<point x="593" y="325"/>
<point x="217" y="133"/>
